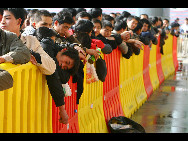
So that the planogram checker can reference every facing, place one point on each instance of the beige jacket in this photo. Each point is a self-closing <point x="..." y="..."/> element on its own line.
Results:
<point x="48" y="65"/>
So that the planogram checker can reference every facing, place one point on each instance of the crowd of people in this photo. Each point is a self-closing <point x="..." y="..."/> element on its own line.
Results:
<point x="58" y="43"/>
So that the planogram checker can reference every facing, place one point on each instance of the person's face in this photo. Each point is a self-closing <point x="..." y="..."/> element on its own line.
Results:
<point x="165" y="23"/>
<point x="45" y="22"/>
<point x="176" y="28"/>
<point x="62" y="28"/>
<point x="145" y="27"/>
<point x="97" y="28"/>
<point x="100" y="18"/>
<point x="9" y="22"/>
<point x="65" y="62"/>
<point x="143" y="17"/>
<point x="112" y="22"/>
<point x="132" y="24"/>
<point x="106" y="32"/>
<point x="186" y="21"/>
<point x="159" y="23"/>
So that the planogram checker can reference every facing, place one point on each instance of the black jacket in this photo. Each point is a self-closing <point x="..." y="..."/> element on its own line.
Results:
<point x="112" y="43"/>
<point x="59" y="77"/>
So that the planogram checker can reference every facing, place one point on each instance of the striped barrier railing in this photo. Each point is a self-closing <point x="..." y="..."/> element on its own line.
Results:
<point x="28" y="106"/>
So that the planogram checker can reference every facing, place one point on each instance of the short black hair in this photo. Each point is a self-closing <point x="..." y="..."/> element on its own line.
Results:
<point x="108" y="18"/>
<point x="31" y="14"/>
<point x="166" y="20"/>
<point x="95" y="12"/>
<point x="83" y="14"/>
<point x="38" y="15"/>
<point x="84" y="25"/>
<point x="78" y="10"/>
<point x="126" y="14"/>
<point x="106" y="23"/>
<point x="174" y="24"/>
<point x="71" y="10"/>
<point x="145" y="15"/>
<point x="120" y="18"/>
<point x="138" y="27"/>
<point x="154" y="20"/>
<point x="97" y="21"/>
<point x="146" y="21"/>
<point x="63" y="17"/>
<point x="133" y="17"/>
<point x="44" y="32"/>
<point x="1" y="10"/>
<point x="119" y="25"/>
<point x="18" y="13"/>
<point x="82" y="29"/>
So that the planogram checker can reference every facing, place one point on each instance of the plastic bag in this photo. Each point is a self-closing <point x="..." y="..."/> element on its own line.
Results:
<point x="124" y="125"/>
<point x="91" y="75"/>
<point x="67" y="89"/>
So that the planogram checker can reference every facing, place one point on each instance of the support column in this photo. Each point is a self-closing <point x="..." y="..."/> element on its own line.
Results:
<point x="154" y="12"/>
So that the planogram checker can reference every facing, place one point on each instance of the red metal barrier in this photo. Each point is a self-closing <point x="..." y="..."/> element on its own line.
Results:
<point x="158" y="63"/>
<point x="146" y="76"/>
<point x="112" y="105"/>
<point x="175" y="60"/>
<point x="72" y="111"/>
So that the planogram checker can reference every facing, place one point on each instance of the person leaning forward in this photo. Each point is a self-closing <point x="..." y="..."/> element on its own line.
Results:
<point x="12" y="50"/>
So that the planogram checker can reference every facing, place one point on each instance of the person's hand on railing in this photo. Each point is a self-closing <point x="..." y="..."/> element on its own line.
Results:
<point x="82" y="57"/>
<point x="126" y="35"/>
<point x="82" y="54"/>
<point x="138" y="44"/>
<point x="33" y="60"/>
<point x="93" y="52"/>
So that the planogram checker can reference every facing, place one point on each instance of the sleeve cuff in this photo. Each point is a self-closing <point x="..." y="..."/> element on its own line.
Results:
<point x="8" y="58"/>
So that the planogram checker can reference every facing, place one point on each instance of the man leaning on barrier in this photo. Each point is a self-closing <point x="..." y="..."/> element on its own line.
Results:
<point x="12" y="50"/>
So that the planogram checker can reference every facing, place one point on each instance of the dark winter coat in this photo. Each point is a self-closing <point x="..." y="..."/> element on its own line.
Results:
<point x="59" y="77"/>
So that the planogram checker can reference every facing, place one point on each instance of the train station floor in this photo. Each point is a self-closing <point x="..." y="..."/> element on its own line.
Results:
<point x="166" y="111"/>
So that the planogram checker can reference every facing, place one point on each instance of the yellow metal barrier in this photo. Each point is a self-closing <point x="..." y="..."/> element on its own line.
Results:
<point x="132" y="89"/>
<point x="140" y="92"/>
<point x="90" y="110"/>
<point x="167" y="58"/>
<point x="152" y="68"/>
<point x="27" y="107"/>
<point x="127" y="92"/>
